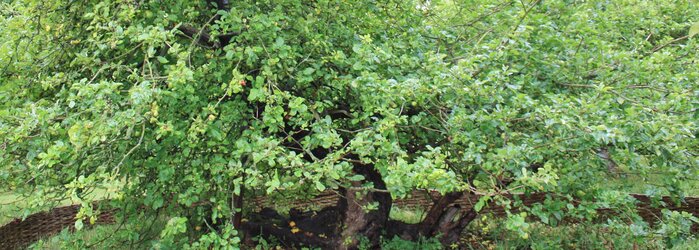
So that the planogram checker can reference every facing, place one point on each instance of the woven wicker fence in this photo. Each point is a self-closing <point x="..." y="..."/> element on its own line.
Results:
<point x="20" y="233"/>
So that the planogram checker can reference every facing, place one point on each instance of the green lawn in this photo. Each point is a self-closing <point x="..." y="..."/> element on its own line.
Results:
<point x="635" y="184"/>
<point x="14" y="206"/>
<point x="10" y="207"/>
<point x="492" y="235"/>
<point x="77" y="240"/>
<point x="133" y="235"/>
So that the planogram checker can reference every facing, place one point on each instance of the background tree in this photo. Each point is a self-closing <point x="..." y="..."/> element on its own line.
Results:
<point x="190" y="108"/>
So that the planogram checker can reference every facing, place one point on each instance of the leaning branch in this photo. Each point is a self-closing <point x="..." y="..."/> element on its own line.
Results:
<point x="201" y="37"/>
<point x="659" y="47"/>
<point x="204" y="39"/>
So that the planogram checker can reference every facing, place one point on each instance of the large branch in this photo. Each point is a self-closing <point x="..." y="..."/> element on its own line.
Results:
<point x="427" y="226"/>
<point x="203" y="38"/>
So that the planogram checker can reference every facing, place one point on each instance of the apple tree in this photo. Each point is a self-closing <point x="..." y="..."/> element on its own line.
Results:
<point x="191" y="109"/>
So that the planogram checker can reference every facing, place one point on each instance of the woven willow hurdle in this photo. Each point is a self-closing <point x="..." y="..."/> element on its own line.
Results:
<point x="19" y="233"/>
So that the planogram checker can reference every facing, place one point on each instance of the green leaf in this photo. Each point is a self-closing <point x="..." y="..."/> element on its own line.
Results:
<point x="320" y="186"/>
<point x="256" y="94"/>
<point x="481" y="202"/>
<point x="162" y="60"/>
<point x="356" y="178"/>
<point x="334" y="175"/>
<point x="308" y="71"/>
<point x="693" y="30"/>
<point x="158" y="202"/>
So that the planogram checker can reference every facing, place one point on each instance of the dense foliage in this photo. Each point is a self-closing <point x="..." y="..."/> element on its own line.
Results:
<point x="187" y="108"/>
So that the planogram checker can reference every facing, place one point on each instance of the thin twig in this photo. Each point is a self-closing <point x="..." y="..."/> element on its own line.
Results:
<point x="140" y="140"/>
<point x="657" y="48"/>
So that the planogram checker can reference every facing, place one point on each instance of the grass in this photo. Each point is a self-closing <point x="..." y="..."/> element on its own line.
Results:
<point x="15" y="206"/>
<point x="636" y="184"/>
<point x="491" y="234"/>
<point x="10" y="207"/>
<point x="407" y="215"/>
<point x="68" y="240"/>
<point x="688" y="245"/>
<point x="138" y="234"/>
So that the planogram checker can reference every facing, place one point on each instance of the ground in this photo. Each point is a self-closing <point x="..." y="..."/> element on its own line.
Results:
<point x="489" y="233"/>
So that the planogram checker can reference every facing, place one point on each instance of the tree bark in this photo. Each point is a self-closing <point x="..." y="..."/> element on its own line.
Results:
<point x="357" y="221"/>
<point x="449" y="229"/>
<point x="441" y="220"/>
<point x="436" y="213"/>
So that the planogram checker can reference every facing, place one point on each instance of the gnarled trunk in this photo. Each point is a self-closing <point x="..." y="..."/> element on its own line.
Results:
<point x="358" y="220"/>
<point x="362" y="214"/>
<point x="441" y="220"/>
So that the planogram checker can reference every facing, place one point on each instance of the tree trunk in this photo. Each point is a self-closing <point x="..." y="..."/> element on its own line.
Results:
<point x="361" y="216"/>
<point x="437" y="212"/>
<point x="439" y="221"/>
<point x="358" y="222"/>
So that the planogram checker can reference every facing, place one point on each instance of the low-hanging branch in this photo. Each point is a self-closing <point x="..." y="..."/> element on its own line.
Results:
<point x="203" y="38"/>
